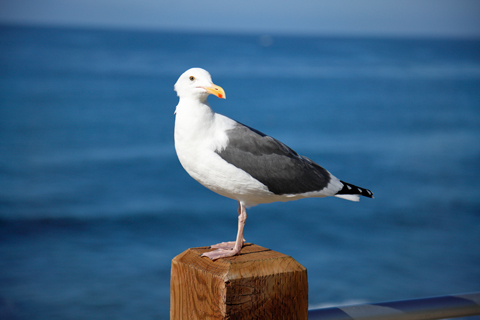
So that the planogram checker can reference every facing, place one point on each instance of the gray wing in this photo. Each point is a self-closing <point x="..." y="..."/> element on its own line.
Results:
<point x="272" y="163"/>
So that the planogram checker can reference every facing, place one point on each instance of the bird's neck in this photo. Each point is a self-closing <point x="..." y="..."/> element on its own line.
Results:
<point x="193" y="118"/>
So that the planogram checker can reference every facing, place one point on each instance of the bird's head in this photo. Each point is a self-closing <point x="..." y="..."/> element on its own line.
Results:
<point x="197" y="83"/>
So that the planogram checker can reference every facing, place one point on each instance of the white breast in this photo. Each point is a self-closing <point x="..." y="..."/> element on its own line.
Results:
<point x="198" y="133"/>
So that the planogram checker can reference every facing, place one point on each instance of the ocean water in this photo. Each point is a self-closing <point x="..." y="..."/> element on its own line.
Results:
<point x="94" y="203"/>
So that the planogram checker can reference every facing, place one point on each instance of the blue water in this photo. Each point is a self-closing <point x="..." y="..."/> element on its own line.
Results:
<point x="94" y="203"/>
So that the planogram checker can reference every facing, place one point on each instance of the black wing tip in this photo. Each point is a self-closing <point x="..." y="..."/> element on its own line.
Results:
<point x="349" y="188"/>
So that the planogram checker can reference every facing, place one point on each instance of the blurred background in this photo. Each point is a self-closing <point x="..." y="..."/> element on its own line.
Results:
<point x="94" y="203"/>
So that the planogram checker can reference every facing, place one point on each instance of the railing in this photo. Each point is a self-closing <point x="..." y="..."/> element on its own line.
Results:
<point x="454" y="306"/>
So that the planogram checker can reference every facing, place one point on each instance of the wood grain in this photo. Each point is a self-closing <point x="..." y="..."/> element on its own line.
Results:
<point x="258" y="283"/>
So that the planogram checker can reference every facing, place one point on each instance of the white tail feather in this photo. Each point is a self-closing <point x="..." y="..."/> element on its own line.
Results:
<point x="351" y="197"/>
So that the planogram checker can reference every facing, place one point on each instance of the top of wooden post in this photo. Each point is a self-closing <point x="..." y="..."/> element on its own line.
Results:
<point x="241" y="265"/>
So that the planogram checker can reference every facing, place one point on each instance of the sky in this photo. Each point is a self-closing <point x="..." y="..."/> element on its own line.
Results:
<point x="437" y="18"/>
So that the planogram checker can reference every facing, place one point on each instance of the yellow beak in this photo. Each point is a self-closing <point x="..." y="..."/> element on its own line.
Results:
<point x="216" y="90"/>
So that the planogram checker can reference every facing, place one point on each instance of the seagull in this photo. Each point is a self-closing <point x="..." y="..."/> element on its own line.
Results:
<point x="241" y="163"/>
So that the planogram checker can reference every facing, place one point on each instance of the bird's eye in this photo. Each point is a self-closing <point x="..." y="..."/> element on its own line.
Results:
<point x="192" y="78"/>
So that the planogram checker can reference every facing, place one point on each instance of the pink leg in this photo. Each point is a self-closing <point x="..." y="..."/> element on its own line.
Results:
<point x="229" y="249"/>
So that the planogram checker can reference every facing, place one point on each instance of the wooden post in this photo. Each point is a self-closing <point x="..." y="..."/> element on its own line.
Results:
<point x="256" y="284"/>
